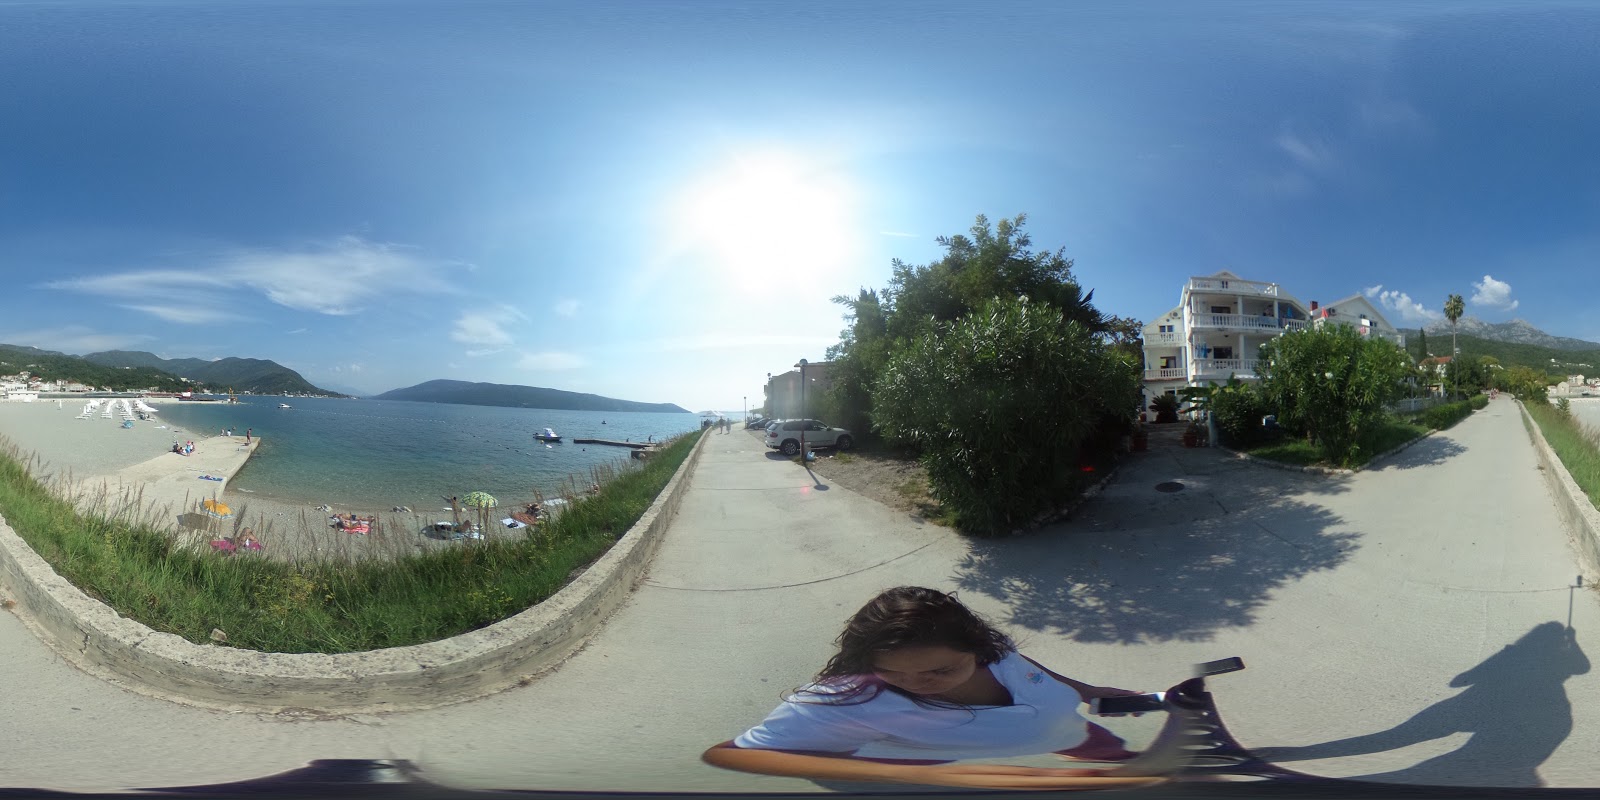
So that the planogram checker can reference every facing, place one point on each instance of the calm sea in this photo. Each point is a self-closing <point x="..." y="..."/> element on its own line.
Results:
<point x="400" y="453"/>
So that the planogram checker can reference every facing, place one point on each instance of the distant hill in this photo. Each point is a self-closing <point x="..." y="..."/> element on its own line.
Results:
<point x="1554" y="360"/>
<point x="50" y="365"/>
<point x="1516" y="331"/>
<point x="253" y="375"/>
<point x="499" y="394"/>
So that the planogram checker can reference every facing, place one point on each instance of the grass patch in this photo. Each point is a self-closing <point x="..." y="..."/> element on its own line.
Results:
<point x="1391" y="434"/>
<point x="1573" y="444"/>
<point x="324" y="607"/>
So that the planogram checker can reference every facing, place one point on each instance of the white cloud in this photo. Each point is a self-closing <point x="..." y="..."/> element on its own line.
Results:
<point x="73" y="339"/>
<point x="1494" y="294"/>
<point x="333" y="277"/>
<point x="731" y="341"/>
<point x="480" y="329"/>
<point x="1401" y="303"/>
<point x="187" y="314"/>
<point x="547" y="361"/>
<point x="1309" y="152"/>
<point x="296" y="330"/>
<point x="567" y="308"/>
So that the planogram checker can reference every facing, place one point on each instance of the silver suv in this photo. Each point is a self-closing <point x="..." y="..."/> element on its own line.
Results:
<point x="785" y="436"/>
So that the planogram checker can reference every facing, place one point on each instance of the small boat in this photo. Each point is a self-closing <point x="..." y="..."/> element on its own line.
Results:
<point x="284" y="405"/>
<point x="548" y="435"/>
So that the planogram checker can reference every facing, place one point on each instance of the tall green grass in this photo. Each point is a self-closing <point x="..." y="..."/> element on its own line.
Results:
<point x="1574" y="444"/>
<point x="324" y="606"/>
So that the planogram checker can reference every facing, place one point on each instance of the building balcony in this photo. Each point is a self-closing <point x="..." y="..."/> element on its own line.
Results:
<point x="1244" y="322"/>
<point x="1223" y="368"/>
<point x="1163" y="340"/>
<point x="1166" y="374"/>
<point x="1230" y="286"/>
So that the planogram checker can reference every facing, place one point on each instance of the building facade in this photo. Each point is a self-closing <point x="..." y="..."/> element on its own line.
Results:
<point x="784" y="399"/>
<point x="1220" y="323"/>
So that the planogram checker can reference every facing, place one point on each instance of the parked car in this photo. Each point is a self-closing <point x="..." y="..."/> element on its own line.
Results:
<point x="756" y="422"/>
<point x="785" y="436"/>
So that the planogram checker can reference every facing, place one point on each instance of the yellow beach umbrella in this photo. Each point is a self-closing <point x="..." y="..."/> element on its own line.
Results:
<point x="214" y="508"/>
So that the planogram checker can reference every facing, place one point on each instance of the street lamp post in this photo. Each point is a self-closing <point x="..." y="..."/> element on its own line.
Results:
<point x="803" y="420"/>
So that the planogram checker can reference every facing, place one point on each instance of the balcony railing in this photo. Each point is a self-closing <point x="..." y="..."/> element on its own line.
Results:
<point x="1245" y="322"/>
<point x="1242" y="367"/>
<point x="1233" y="286"/>
<point x="1166" y="374"/>
<point x="1163" y="340"/>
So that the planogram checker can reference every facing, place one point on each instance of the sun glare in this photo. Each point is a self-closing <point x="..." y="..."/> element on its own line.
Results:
<point x="770" y="215"/>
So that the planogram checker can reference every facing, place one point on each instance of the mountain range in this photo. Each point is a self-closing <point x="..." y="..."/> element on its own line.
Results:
<point x="249" y="375"/>
<point x="1516" y="331"/>
<point x="499" y="394"/>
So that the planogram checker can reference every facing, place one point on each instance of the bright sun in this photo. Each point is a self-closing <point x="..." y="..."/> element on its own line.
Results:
<point x="770" y="215"/>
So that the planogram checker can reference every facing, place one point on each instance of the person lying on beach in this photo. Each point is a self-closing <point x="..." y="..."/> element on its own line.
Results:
<point x="920" y="682"/>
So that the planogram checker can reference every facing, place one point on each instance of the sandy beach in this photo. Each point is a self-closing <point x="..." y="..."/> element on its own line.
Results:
<point x="110" y="469"/>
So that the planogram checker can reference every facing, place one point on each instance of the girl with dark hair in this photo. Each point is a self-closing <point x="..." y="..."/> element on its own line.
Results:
<point x="920" y="681"/>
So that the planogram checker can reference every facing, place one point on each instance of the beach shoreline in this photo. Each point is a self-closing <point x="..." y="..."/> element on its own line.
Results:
<point x="106" y="468"/>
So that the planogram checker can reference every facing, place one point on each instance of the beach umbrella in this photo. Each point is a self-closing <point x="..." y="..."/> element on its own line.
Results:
<point x="218" y="510"/>
<point x="480" y="500"/>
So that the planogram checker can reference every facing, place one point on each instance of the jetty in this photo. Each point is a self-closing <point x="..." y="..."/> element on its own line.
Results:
<point x="614" y="443"/>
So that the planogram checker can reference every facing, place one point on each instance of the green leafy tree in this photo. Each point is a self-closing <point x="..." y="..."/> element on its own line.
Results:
<point x="1332" y="384"/>
<point x="999" y="403"/>
<point x="858" y="359"/>
<point x="1422" y="344"/>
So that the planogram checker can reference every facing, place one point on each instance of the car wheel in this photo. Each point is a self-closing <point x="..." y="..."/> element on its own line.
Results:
<point x="845" y="441"/>
<point x="790" y="447"/>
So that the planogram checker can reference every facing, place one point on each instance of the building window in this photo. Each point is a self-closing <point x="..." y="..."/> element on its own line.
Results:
<point x="1223" y="353"/>
<point x="1222" y="309"/>
<point x="1169" y="362"/>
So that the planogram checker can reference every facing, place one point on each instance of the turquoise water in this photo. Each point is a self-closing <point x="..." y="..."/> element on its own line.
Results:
<point x="373" y="453"/>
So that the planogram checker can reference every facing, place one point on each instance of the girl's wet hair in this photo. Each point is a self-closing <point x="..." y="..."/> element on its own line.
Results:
<point x="906" y="616"/>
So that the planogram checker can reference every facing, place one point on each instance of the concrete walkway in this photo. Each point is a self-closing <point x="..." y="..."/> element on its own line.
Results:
<point x="1419" y="606"/>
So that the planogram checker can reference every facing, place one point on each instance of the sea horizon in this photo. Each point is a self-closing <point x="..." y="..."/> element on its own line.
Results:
<point x="366" y="452"/>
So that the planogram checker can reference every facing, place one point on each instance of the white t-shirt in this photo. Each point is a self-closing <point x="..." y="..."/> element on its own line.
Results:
<point x="1043" y="718"/>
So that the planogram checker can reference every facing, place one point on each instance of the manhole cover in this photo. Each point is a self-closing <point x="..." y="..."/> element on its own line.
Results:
<point x="1169" y="486"/>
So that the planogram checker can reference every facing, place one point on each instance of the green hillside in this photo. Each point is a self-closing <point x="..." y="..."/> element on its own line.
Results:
<point x="1549" y="359"/>
<point x="252" y="375"/>
<point x="498" y="394"/>
<point x="52" y="366"/>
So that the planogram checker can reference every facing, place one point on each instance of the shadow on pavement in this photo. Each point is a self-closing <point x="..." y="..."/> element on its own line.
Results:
<point x="1515" y="708"/>
<point x="1182" y="543"/>
<point x="1429" y="452"/>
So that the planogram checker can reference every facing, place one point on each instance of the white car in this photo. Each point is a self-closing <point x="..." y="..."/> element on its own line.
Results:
<point x="785" y="436"/>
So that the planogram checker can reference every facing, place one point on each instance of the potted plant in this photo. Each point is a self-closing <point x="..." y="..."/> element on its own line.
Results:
<point x="1195" y="435"/>
<point x="1141" y="438"/>
<point x="1166" y="407"/>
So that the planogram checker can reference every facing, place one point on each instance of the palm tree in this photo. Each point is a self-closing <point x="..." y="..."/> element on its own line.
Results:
<point x="1453" y="308"/>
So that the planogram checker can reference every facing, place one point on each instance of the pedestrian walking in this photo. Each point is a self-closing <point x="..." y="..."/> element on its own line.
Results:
<point x="920" y="681"/>
<point x="247" y="435"/>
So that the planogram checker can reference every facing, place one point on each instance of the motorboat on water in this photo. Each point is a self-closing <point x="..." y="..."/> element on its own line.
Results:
<point x="548" y="435"/>
<point x="284" y="405"/>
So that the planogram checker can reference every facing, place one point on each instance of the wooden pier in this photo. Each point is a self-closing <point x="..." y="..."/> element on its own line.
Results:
<point x="613" y="443"/>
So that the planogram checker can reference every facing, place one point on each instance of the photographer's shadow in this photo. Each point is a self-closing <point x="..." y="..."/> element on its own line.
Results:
<point x="1515" y="708"/>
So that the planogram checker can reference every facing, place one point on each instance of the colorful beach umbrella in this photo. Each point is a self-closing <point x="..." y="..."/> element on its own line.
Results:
<point x="213" y="508"/>
<point x="480" y="500"/>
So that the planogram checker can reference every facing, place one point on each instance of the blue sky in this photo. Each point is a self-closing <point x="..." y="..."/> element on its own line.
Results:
<point x="656" y="200"/>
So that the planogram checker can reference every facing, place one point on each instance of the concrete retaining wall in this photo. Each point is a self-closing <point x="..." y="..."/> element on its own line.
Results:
<point x="94" y="637"/>
<point x="1580" y="516"/>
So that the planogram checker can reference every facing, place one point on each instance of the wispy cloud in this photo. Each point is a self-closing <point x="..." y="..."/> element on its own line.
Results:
<point x="567" y="308"/>
<point x="187" y="314"/>
<point x="1401" y="304"/>
<point x="549" y="361"/>
<point x="1308" y="151"/>
<point x="73" y="339"/>
<point x="486" y="329"/>
<point x="1493" y="294"/>
<point x="334" y="277"/>
<point x="296" y="330"/>
<point x="729" y="341"/>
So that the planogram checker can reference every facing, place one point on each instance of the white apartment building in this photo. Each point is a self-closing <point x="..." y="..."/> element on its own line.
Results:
<point x="1221" y="321"/>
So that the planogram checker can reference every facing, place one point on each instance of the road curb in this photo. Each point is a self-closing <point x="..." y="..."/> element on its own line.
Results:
<point x="98" y="640"/>
<point x="1580" y="515"/>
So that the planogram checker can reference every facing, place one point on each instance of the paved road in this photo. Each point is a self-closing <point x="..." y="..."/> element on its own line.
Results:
<point x="1410" y="606"/>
